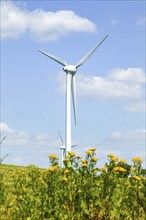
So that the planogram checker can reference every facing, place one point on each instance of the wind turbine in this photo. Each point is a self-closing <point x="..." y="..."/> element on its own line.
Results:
<point x="70" y="71"/>
<point x="63" y="149"/>
<point x="1" y="141"/>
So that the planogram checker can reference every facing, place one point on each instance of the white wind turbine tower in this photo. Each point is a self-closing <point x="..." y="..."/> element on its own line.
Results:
<point x="63" y="149"/>
<point x="70" y="71"/>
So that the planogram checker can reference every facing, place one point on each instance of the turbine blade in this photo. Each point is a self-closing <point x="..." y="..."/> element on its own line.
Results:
<point x="85" y="58"/>
<point x="60" y="137"/>
<point x="73" y="89"/>
<point x="57" y="59"/>
<point x="1" y="141"/>
<point x="74" y="145"/>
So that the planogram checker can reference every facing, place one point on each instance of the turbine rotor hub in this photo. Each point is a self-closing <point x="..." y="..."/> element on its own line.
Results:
<point x="70" y="69"/>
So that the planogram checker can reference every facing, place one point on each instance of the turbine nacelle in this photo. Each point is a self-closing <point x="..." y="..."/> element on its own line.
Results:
<point x="70" y="69"/>
<point x="62" y="147"/>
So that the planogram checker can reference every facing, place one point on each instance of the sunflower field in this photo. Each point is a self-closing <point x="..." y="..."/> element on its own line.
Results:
<point x="79" y="191"/>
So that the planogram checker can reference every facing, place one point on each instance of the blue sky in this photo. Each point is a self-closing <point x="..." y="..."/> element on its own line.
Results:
<point x="110" y="86"/>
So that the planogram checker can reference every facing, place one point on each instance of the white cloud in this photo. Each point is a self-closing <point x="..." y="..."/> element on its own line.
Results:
<point x="119" y="85"/>
<point x="5" y="128"/>
<point x="132" y="141"/>
<point x="130" y="75"/>
<point x="51" y="25"/>
<point x="141" y="21"/>
<point x="116" y="134"/>
<point x="124" y="144"/>
<point x="42" y="25"/>
<point x="114" y="21"/>
<point x="25" y="148"/>
<point x="129" y="143"/>
<point x="16" y="138"/>
<point x="135" y="107"/>
<point x="103" y="88"/>
<point x="14" y="21"/>
<point x="130" y="135"/>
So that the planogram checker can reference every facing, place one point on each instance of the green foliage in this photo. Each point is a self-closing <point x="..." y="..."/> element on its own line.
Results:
<point x="79" y="191"/>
